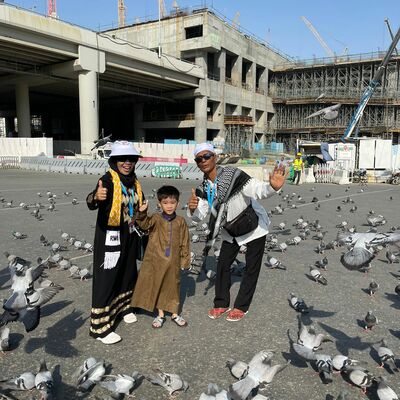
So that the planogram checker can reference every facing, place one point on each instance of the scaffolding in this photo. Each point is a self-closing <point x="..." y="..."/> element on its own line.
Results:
<point x="300" y="91"/>
<point x="239" y="139"/>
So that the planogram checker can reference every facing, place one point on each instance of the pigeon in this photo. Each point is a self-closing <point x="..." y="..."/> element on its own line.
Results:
<point x="120" y="384"/>
<point x="261" y="371"/>
<point x="370" y="320"/>
<point x="309" y="338"/>
<point x="328" y="195"/>
<point x="304" y="352"/>
<point x="391" y="257"/>
<point x="213" y="392"/>
<point x="341" y="363"/>
<point x="325" y="367"/>
<point x="361" y="378"/>
<point x="373" y="287"/>
<point x="327" y="113"/>
<point x="44" y="381"/>
<point x="273" y="263"/>
<point x="338" y="209"/>
<point x="238" y="369"/>
<point x="18" y="235"/>
<point x="385" y="392"/>
<point x="171" y="382"/>
<point x="317" y="276"/>
<point x="386" y="356"/>
<point x="5" y="339"/>
<point x="353" y="209"/>
<point x="314" y="200"/>
<point x="322" y="263"/>
<point x="67" y="194"/>
<point x="22" y="279"/>
<point x="282" y="247"/>
<point x="90" y="373"/>
<point x="298" y="304"/>
<point x="376" y="221"/>
<point x="294" y="241"/>
<point x="25" y="381"/>
<point x="75" y="201"/>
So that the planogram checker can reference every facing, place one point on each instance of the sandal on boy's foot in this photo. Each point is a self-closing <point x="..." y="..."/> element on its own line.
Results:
<point x="111" y="338"/>
<point x="179" y="321"/>
<point x="215" y="313"/>
<point x="158" y="322"/>
<point x="235" y="315"/>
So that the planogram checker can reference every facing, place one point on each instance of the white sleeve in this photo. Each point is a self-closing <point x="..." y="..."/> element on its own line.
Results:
<point x="258" y="190"/>
<point x="201" y="211"/>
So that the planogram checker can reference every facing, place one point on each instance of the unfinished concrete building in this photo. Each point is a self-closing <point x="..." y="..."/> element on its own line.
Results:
<point x="300" y="89"/>
<point x="232" y="103"/>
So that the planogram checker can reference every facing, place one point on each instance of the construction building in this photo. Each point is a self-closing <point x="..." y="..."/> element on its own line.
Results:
<point x="232" y="104"/>
<point x="302" y="88"/>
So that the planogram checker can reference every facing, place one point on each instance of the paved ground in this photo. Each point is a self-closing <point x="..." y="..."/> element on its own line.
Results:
<point x="199" y="352"/>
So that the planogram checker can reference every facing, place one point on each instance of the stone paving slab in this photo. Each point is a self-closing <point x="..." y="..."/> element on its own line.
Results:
<point x="199" y="352"/>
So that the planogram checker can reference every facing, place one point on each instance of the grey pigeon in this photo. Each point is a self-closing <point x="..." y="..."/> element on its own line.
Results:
<point x="261" y="371"/>
<point x="361" y="378"/>
<point x="298" y="304"/>
<point x="308" y="337"/>
<point x="317" y="276"/>
<point x="18" y="235"/>
<point x="90" y="373"/>
<point x="171" y="382"/>
<point x="391" y="257"/>
<point x="304" y="352"/>
<point x="370" y="320"/>
<point x="25" y="381"/>
<point x="5" y="339"/>
<point x="373" y="288"/>
<point x="274" y="263"/>
<point x="386" y="356"/>
<point x="121" y="384"/>
<point x="385" y="392"/>
<point x="213" y="392"/>
<point x="44" y="381"/>
<point x="238" y="369"/>
<point x="325" y="367"/>
<point x="341" y="362"/>
<point x="322" y="263"/>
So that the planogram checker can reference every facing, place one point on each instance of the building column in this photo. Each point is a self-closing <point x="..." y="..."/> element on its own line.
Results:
<point x="201" y="59"/>
<point x="88" y="110"/>
<point x="237" y="71"/>
<point x="222" y="65"/>
<point x="200" y="116"/>
<point x="23" y="109"/>
<point x="139" y="134"/>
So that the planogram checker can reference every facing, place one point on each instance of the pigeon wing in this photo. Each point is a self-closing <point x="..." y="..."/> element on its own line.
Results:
<point x="30" y="318"/>
<point x="356" y="258"/>
<point x="241" y="389"/>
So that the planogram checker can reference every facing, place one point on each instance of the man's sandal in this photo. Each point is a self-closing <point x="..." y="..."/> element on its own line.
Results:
<point x="179" y="321"/>
<point x="158" y="322"/>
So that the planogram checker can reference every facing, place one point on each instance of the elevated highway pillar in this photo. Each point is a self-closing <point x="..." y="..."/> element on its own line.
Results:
<point x="23" y="109"/>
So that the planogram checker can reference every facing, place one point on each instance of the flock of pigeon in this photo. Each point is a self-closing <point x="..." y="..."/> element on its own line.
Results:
<point x="31" y="288"/>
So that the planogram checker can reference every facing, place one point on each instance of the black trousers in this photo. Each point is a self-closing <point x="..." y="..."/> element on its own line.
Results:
<point x="229" y="251"/>
<point x="297" y="175"/>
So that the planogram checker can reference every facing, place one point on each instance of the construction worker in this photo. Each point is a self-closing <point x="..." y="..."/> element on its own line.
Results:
<point x="298" y="168"/>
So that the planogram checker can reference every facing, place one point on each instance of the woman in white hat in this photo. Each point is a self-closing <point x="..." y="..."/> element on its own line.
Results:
<point x="117" y="196"/>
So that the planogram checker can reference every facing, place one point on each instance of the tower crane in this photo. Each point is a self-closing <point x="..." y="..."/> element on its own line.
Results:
<point x="121" y="13"/>
<point x="52" y="8"/>
<point x="235" y="22"/>
<point x="321" y="41"/>
<point x="162" y="9"/>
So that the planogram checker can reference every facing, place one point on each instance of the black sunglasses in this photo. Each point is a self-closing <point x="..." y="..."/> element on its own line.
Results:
<point x="131" y="159"/>
<point x="204" y="157"/>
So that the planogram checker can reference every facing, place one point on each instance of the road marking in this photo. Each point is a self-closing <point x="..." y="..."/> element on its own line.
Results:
<point x="78" y="257"/>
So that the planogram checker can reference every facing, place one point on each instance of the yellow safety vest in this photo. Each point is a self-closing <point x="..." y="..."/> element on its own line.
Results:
<point x="297" y="163"/>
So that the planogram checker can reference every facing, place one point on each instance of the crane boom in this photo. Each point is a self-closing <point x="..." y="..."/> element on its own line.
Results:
<point x="52" y="8"/>
<point x="369" y="91"/>
<point x="391" y="33"/>
<point x="321" y="41"/>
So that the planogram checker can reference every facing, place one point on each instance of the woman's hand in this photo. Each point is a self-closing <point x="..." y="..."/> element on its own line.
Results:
<point x="278" y="177"/>
<point x="144" y="206"/>
<point x="101" y="192"/>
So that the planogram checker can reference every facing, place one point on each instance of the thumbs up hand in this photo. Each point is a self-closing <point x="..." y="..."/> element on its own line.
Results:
<point x="101" y="192"/>
<point x="144" y="206"/>
<point x="193" y="202"/>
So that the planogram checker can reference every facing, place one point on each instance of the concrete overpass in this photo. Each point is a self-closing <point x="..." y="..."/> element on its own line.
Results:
<point x="44" y="56"/>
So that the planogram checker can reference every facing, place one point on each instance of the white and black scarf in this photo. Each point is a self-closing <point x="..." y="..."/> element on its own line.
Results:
<point x="230" y="181"/>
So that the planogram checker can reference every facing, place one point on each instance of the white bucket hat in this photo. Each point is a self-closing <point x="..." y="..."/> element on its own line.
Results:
<point x="124" y="148"/>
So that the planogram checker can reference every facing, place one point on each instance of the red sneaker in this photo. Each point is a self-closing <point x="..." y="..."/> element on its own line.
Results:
<point x="235" y="315"/>
<point x="215" y="313"/>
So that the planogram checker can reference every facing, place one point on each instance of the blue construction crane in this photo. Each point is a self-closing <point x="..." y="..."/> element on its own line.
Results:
<point x="369" y="91"/>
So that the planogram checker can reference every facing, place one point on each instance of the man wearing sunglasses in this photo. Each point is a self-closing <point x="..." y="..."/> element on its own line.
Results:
<point x="228" y="195"/>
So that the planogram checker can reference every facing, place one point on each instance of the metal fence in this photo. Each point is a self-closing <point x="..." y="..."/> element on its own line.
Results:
<point x="7" y="162"/>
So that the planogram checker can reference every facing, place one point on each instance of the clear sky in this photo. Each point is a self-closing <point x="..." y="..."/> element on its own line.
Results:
<point x="355" y="24"/>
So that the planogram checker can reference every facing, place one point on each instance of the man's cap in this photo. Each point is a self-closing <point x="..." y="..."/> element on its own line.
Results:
<point x="299" y="154"/>
<point x="124" y="148"/>
<point x="203" y="146"/>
